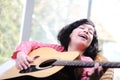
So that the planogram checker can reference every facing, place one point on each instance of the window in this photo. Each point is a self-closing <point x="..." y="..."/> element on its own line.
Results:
<point x="10" y="15"/>
<point x="50" y="16"/>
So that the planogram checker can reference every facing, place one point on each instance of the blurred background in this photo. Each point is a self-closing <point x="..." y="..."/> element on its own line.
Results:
<point x="41" y="20"/>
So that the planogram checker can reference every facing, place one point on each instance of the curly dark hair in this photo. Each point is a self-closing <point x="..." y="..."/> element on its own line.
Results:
<point x="64" y="39"/>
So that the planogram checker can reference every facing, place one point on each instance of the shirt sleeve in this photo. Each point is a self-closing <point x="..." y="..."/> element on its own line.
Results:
<point x="28" y="46"/>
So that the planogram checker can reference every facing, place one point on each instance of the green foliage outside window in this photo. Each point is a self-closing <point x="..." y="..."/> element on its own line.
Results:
<point x="10" y="20"/>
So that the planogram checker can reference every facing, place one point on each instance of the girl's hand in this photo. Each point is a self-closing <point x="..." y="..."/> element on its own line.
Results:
<point x="23" y="61"/>
<point x="91" y="73"/>
<point x="98" y="71"/>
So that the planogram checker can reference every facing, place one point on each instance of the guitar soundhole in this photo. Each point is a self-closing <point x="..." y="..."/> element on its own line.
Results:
<point x="47" y="63"/>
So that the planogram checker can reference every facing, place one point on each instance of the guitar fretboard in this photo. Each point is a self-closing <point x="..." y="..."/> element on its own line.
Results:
<point x="82" y="64"/>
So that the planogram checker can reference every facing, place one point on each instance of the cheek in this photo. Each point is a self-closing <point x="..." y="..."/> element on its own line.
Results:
<point x="72" y="38"/>
<point x="90" y="40"/>
<point x="73" y="34"/>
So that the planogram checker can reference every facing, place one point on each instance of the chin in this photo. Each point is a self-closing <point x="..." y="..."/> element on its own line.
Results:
<point x="82" y="45"/>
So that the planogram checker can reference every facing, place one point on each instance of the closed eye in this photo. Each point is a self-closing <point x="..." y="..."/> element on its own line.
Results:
<point x="81" y="27"/>
<point x="91" y="31"/>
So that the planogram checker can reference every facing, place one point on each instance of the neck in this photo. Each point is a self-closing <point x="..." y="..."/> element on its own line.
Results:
<point x="73" y="48"/>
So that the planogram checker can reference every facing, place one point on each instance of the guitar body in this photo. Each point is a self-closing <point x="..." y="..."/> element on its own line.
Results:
<point x="64" y="74"/>
<point x="41" y="67"/>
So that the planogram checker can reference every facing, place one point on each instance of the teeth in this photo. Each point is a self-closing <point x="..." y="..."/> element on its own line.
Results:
<point x="85" y="37"/>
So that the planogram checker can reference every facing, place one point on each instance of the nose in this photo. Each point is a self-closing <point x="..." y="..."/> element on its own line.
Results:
<point x="86" y="30"/>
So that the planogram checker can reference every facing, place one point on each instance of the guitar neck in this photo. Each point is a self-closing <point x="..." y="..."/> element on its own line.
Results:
<point x="84" y="64"/>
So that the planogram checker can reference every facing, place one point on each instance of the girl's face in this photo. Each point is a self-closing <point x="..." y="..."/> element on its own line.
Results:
<point x="82" y="36"/>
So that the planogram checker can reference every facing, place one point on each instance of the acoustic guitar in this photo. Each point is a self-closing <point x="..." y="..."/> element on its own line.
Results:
<point x="48" y="61"/>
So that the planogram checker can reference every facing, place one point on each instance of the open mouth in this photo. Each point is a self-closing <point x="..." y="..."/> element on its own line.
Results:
<point x="83" y="36"/>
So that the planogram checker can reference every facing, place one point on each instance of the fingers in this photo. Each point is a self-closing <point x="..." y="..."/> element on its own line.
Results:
<point x="89" y="73"/>
<point x="23" y="61"/>
<point x="95" y="73"/>
<point x="30" y="59"/>
<point x="98" y="69"/>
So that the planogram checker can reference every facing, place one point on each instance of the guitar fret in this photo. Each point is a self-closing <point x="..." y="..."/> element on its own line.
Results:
<point x="87" y="64"/>
<point x="110" y="64"/>
<point x="74" y="63"/>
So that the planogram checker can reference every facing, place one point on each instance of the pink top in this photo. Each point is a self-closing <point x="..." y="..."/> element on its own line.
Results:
<point x="28" y="46"/>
